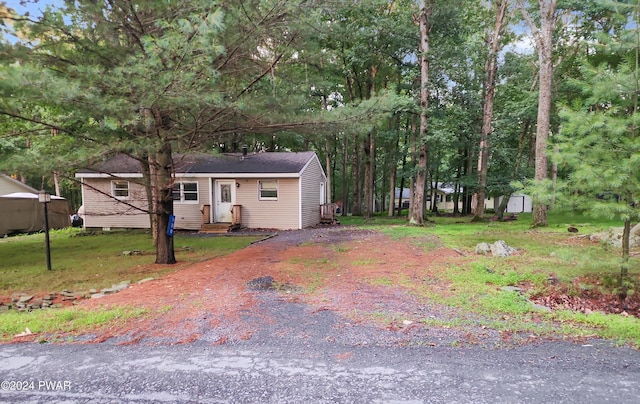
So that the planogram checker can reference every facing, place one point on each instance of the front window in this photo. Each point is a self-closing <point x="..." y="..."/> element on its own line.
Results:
<point x="225" y="193"/>
<point x="268" y="190"/>
<point x="120" y="189"/>
<point x="185" y="192"/>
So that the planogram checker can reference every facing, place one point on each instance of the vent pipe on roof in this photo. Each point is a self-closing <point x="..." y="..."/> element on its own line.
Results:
<point x="244" y="152"/>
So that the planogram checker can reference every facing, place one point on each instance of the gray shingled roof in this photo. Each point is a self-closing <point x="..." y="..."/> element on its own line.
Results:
<point x="258" y="163"/>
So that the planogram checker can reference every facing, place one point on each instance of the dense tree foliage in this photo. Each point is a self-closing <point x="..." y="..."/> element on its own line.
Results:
<point x="389" y="93"/>
<point x="599" y="145"/>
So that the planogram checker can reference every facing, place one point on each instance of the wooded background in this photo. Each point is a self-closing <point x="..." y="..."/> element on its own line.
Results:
<point x="490" y="97"/>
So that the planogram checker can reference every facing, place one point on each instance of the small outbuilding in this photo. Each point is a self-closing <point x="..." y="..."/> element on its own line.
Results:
<point x="518" y="203"/>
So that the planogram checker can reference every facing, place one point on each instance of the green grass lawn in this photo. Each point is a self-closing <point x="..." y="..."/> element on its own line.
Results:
<point x="82" y="261"/>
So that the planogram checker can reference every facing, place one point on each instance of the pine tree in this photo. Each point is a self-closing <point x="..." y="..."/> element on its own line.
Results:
<point x="600" y="140"/>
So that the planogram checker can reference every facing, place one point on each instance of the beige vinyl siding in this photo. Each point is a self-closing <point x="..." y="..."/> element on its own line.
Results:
<point x="188" y="214"/>
<point x="311" y="178"/>
<point x="281" y="214"/>
<point x="102" y="211"/>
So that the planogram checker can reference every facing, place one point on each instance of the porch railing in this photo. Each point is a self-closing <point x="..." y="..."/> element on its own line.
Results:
<point x="328" y="213"/>
<point x="236" y="216"/>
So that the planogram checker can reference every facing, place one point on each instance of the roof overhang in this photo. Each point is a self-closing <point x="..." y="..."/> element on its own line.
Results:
<point x="104" y="175"/>
<point x="237" y="175"/>
<point x="194" y="175"/>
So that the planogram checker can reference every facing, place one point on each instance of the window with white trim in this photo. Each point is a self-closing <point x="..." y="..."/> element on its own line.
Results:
<point x="268" y="190"/>
<point x="186" y="192"/>
<point x="120" y="189"/>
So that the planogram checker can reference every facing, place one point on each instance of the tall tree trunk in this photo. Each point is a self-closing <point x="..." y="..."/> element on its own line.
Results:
<point x="434" y="192"/>
<point x="56" y="183"/>
<point x="624" y="268"/>
<point x="393" y="172"/>
<point x="467" y="196"/>
<point x="327" y="188"/>
<point x="356" y="207"/>
<point x="544" y="42"/>
<point x="456" y="191"/>
<point x="626" y="236"/>
<point x="503" y="205"/>
<point x="374" y="178"/>
<point x="400" y="200"/>
<point x="404" y="166"/>
<point x="345" y="182"/>
<point x="327" y="147"/>
<point x="554" y="181"/>
<point x="392" y="189"/>
<point x="56" y="179"/>
<point x="491" y="69"/>
<point x="368" y="156"/>
<point x="542" y="134"/>
<point x="163" y="165"/>
<point x="334" y="166"/>
<point x="382" y="206"/>
<point x="417" y="205"/>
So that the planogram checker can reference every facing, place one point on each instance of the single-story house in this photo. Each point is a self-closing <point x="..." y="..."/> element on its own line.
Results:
<point x="23" y="213"/>
<point x="10" y="185"/>
<point x="406" y="195"/>
<point x="263" y="190"/>
<point x="443" y="198"/>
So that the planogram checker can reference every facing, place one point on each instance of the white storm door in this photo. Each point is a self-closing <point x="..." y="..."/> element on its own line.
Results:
<point x="225" y="199"/>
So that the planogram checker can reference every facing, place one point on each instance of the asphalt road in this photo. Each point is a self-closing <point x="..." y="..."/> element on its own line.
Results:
<point x="245" y="372"/>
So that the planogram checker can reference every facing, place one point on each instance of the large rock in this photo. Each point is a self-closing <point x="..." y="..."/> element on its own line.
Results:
<point x="501" y="249"/>
<point x="24" y="299"/>
<point x="497" y="249"/>
<point x="116" y="287"/>
<point x="262" y="283"/>
<point x="483" y="248"/>
<point x="613" y="236"/>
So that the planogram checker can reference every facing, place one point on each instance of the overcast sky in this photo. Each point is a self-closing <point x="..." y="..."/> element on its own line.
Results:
<point x="32" y="6"/>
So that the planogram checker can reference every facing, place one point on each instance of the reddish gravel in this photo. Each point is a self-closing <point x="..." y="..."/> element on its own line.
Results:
<point x="338" y="269"/>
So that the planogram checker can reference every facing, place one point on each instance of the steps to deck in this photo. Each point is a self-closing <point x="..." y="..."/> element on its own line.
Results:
<point x="215" y="228"/>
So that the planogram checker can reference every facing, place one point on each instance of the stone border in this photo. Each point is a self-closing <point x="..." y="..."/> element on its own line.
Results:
<point x="26" y="302"/>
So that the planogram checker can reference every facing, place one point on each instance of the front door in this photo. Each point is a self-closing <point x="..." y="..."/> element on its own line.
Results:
<point x="225" y="198"/>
